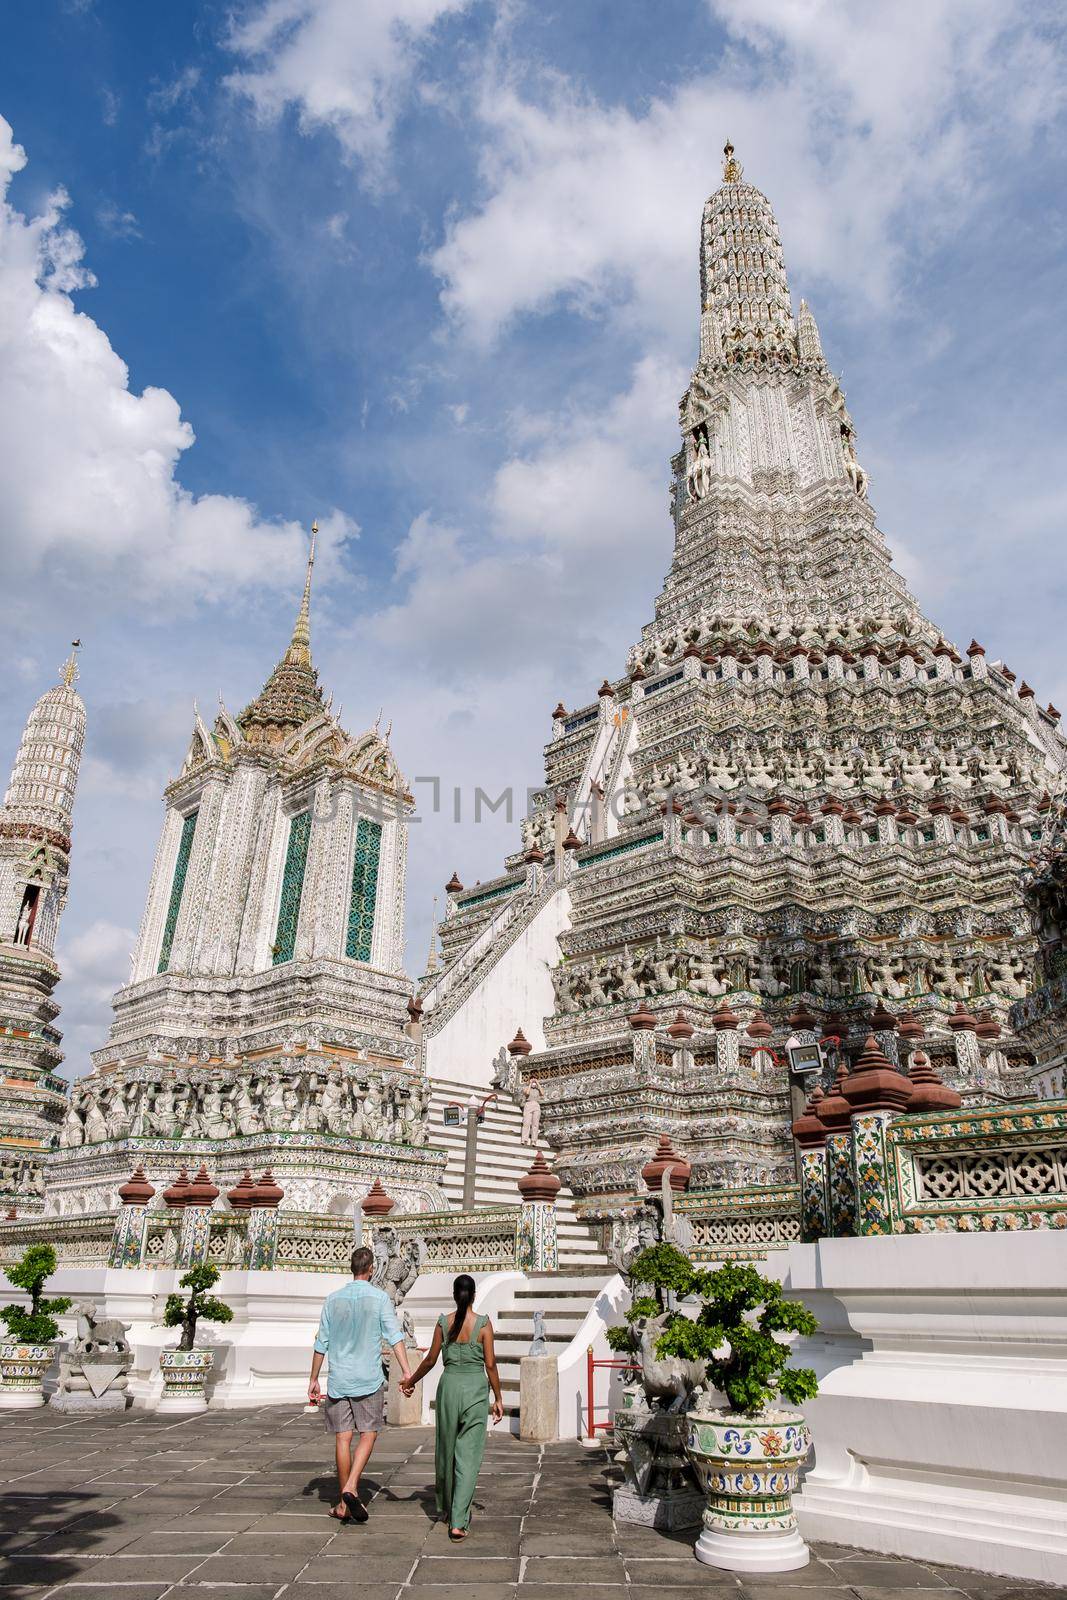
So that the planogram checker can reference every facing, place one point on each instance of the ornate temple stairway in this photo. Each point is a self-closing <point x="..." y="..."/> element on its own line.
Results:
<point x="502" y="1160"/>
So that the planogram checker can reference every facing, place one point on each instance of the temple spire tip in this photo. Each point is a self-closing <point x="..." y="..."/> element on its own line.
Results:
<point x="731" y="169"/>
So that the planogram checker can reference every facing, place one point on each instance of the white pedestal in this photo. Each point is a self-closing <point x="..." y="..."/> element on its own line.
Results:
<point x="752" y="1552"/>
<point x="181" y="1405"/>
<point x="21" y="1400"/>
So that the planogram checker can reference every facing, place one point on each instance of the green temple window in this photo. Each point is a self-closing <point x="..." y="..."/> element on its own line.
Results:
<point x="296" y="857"/>
<point x="177" y="888"/>
<point x="360" y="934"/>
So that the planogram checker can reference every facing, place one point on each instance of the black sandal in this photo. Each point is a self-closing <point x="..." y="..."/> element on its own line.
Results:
<point x="356" y="1507"/>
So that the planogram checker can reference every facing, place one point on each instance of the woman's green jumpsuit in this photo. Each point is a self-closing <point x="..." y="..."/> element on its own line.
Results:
<point x="462" y="1412"/>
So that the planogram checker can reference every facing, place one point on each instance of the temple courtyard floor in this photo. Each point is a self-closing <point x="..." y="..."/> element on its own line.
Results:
<point x="232" y="1505"/>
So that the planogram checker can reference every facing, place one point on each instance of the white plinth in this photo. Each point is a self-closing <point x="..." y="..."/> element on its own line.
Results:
<point x="752" y="1552"/>
<point x="180" y="1405"/>
<point x="21" y="1400"/>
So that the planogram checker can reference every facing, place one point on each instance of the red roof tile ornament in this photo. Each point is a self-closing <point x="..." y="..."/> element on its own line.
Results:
<point x="268" y="1191"/>
<point x="988" y="1026"/>
<point x="376" y="1202"/>
<point x="1025" y="691"/>
<point x="907" y="816"/>
<point x="722" y="1018"/>
<point x="803" y="817"/>
<point x="779" y="807"/>
<point x="560" y="712"/>
<point x="637" y="672"/>
<point x="572" y="841"/>
<point x="605" y="691"/>
<point x="911" y="1027"/>
<point x="832" y="807"/>
<point x="539" y="1183"/>
<point x="975" y="649"/>
<point x="803" y="1020"/>
<point x="961" y="1020"/>
<point x="1051" y="712"/>
<point x="666" y="1157"/>
<point x="759" y="1028"/>
<point x="959" y="816"/>
<point x="874" y="1084"/>
<point x="178" y="1193"/>
<point x="520" y="1045"/>
<point x="534" y="856"/>
<point x="942" y="649"/>
<point x="242" y="1195"/>
<point x="453" y="886"/>
<point x="691" y="650"/>
<point x="939" y="806"/>
<point x="885" y="808"/>
<point x="136" y="1191"/>
<point x="202" y="1192"/>
<point x="809" y="1130"/>
<point x="834" y="1026"/>
<point x="680" y="1028"/>
<point x="851" y="815"/>
<point x="12" y="1215"/>
<point x="835" y="1113"/>
<point x="882" y="1019"/>
<point x="642" y="1019"/>
<point x="928" y="1093"/>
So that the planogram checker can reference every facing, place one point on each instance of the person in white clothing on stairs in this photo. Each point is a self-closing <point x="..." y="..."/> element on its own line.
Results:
<point x="531" y="1113"/>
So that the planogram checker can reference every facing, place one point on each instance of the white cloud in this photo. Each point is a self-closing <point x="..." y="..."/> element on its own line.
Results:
<point x="97" y="960"/>
<point x="873" y="127"/>
<point x="88" y="468"/>
<point x="120" y="224"/>
<point x="576" y="534"/>
<point x="345" y="67"/>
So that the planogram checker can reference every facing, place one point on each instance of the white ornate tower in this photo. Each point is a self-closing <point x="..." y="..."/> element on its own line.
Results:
<point x="35" y="828"/>
<point x="266" y="1013"/>
<point x="801" y="809"/>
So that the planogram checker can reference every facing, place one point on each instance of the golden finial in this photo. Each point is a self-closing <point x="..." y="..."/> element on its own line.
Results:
<point x="69" y="669"/>
<point x="300" y="645"/>
<point x="731" y="169"/>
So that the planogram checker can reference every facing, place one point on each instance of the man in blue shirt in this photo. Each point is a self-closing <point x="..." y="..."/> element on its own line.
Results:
<point x="355" y="1320"/>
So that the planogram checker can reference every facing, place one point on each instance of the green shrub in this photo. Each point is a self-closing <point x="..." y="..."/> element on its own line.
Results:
<point x="185" y="1311"/>
<point x="38" y="1324"/>
<point x="734" y="1332"/>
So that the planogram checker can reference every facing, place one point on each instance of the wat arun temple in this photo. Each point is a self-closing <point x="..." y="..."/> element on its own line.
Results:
<point x="795" y="832"/>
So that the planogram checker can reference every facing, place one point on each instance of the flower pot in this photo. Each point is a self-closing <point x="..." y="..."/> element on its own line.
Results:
<point x="184" y="1378"/>
<point x="22" y="1370"/>
<point x="748" y="1469"/>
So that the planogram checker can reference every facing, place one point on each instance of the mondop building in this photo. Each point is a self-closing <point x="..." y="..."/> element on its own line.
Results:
<point x="790" y="906"/>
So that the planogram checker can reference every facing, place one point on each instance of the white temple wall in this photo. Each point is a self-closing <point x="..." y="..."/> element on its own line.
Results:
<point x="941" y="1423"/>
<point x="515" y="993"/>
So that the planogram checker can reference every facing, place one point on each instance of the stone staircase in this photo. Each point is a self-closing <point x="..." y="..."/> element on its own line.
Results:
<point x="565" y="1297"/>
<point x="502" y="1159"/>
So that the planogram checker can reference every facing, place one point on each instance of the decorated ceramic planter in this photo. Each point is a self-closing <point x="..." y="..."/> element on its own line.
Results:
<point x="184" y="1379"/>
<point x="748" y="1468"/>
<point x="22" y="1370"/>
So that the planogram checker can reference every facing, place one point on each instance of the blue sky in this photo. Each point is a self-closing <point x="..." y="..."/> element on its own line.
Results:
<point x="426" y="270"/>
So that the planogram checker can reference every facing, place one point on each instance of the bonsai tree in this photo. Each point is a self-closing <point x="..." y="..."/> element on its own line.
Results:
<point x="38" y="1325"/>
<point x="666" y="1271"/>
<point x="185" y="1311"/>
<point x="742" y="1331"/>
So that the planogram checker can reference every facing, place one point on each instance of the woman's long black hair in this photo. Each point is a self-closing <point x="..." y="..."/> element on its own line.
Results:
<point x="464" y="1289"/>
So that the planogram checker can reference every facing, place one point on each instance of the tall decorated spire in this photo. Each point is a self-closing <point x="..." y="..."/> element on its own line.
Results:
<point x="744" y="293"/>
<point x="35" y="828"/>
<point x="291" y="695"/>
<point x="40" y="796"/>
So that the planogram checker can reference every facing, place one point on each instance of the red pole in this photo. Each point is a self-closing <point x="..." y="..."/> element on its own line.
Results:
<point x="589" y="1382"/>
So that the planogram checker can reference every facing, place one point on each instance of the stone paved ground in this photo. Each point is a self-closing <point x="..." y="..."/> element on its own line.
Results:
<point x="232" y="1506"/>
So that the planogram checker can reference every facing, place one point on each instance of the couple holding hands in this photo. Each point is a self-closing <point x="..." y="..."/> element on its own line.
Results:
<point x="355" y="1321"/>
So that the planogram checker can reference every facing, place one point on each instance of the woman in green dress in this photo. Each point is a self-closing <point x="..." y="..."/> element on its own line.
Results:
<point x="462" y="1403"/>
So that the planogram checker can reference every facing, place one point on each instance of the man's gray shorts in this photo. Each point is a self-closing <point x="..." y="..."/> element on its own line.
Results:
<point x="363" y="1413"/>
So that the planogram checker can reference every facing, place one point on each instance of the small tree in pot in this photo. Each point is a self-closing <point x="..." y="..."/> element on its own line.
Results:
<point x="185" y="1311"/>
<point x="747" y="1453"/>
<point x="185" y="1368"/>
<point x="26" y="1353"/>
